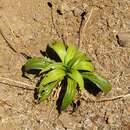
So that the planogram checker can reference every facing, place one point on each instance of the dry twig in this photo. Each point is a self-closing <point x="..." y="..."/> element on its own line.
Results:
<point x="9" y="45"/>
<point x="114" y="98"/>
<point x="110" y="99"/>
<point x="15" y="83"/>
<point x="82" y="28"/>
<point x="61" y="36"/>
<point x="3" y="103"/>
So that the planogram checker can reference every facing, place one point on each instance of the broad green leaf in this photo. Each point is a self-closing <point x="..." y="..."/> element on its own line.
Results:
<point x="84" y="65"/>
<point x="37" y="63"/>
<point x="69" y="94"/>
<point x="53" y="76"/>
<point x="45" y="69"/>
<point x="58" y="65"/>
<point x="43" y="87"/>
<point x="46" y="90"/>
<point x="78" y="58"/>
<point x="75" y="75"/>
<point x="99" y="81"/>
<point x="71" y="52"/>
<point x="60" y="49"/>
<point x="52" y="66"/>
<point x="83" y="55"/>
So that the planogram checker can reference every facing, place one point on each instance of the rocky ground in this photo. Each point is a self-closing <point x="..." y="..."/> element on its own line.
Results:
<point x="28" y="26"/>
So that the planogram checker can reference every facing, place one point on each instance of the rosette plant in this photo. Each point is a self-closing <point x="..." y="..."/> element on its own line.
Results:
<point x="74" y="67"/>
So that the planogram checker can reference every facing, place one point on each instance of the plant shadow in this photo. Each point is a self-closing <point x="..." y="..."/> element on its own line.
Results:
<point x="91" y="87"/>
<point x="61" y="94"/>
<point x="35" y="72"/>
<point x="36" y="91"/>
<point x="52" y="54"/>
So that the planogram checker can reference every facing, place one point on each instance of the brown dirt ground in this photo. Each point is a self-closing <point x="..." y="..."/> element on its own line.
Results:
<point x="28" y="27"/>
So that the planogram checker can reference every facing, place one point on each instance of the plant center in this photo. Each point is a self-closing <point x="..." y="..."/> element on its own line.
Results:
<point x="68" y="69"/>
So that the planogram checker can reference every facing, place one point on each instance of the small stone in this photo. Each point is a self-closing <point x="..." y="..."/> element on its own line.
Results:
<point x="85" y="5"/>
<point x="65" y="8"/>
<point x="77" y="12"/>
<point x="112" y="119"/>
<point x="88" y="123"/>
<point x="123" y="39"/>
<point x="37" y="17"/>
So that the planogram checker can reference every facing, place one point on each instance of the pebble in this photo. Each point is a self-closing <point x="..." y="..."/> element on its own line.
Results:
<point x="77" y="12"/>
<point x="112" y="119"/>
<point x="87" y="124"/>
<point x="37" y="17"/>
<point x="123" y="39"/>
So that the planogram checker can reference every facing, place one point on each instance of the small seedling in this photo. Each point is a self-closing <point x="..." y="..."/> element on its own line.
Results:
<point x="73" y="68"/>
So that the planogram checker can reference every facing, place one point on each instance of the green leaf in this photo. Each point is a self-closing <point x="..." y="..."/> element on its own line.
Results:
<point x="84" y="65"/>
<point x="70" y="92"/>
<point x="45" y="69"/>
<point x="53" y="76"/>
<point x="55" y="65"/>
<point x="46" y="90"/>
<point x="60" y="49"/>
<point x="75" y="75"/>
<point x="99" y="81"/>
<point x="37" y="63"/>
<point x="83" y="55"/>
<point x="41" y="87"/>
<point x="77" y="58"/>
<point x="71" y="52"/>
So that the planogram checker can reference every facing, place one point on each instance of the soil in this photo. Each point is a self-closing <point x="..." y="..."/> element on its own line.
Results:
<point x="27" y="27"/>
